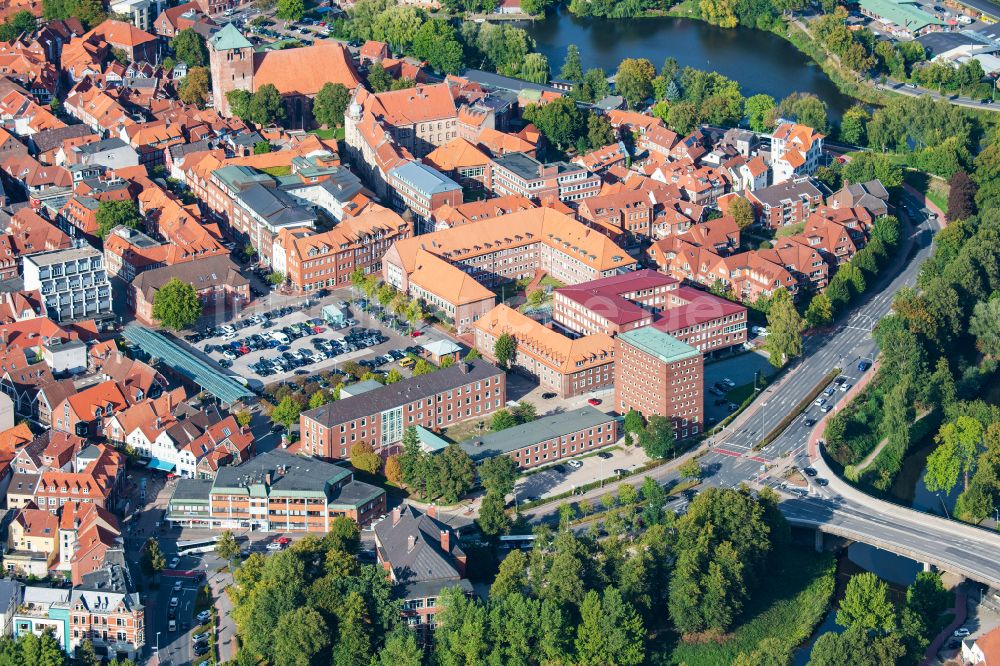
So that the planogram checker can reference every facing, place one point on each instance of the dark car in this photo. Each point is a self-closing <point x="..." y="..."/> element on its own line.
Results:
<point x="548" y="395"/>
<point x="558" y="469"/>
<point x="822" y="482"/>
<point x="810" y="423"/>
<point x="604" y="455"/>
<point x="200" y="649"/>
<point x="809" y="471"/>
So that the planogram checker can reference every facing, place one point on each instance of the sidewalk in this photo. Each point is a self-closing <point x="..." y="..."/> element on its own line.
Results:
<point x="961" y="610"/>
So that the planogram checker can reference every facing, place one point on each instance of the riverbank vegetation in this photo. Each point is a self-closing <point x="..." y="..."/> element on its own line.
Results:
<point x="939" y="345"/>
<point x="703" y="586"/>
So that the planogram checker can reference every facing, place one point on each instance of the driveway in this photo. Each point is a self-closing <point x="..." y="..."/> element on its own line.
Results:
<point x="551" y="481"/>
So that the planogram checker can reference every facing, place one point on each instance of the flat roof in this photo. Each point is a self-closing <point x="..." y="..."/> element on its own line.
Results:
<point x="59" y="256"/>
<point x="903" y="13"/>
<point x="540" y="430"/>
<point x="208" y="377"/>
<point x="983" y="6"/>
<point x="656" y="343"/>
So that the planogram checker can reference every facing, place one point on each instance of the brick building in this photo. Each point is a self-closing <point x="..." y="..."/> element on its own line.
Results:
<point x="548" y="439"/>
<point x="435" y="401"/>
<point x="559" y="363"/>
<point x="520" y="174"/>
<point x="275" y="492"/>
<point x="657" y="374"/>
<point x="614" y="304"/>
<point x="217" y="280"/>
<point x="788" y="202"/>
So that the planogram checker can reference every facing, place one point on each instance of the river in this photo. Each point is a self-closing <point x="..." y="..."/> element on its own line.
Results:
<point x="760" y="61"/>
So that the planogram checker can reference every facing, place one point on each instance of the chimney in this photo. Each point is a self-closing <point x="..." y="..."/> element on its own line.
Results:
<point x="411" y="541"/>
<point x="396" y="513"/>
<point x="432" y="511"/>
<point x="446" y="541"/>
<point x="464" y="367"/>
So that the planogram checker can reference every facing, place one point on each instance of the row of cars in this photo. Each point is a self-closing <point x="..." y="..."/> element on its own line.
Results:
<point x="289" y="360"/>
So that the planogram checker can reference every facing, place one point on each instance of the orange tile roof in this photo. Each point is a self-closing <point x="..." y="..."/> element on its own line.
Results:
<point x="456" y="154"/>
<point x="38" y="523"/>
<point x="305" y="70"/>
<point x="120" y="34"/>
<point x="550" y="347"/>
<point x="450" y="283"/>
<point x="500" y="143"/>
<point x="559" y="231"/>
<point x="84" y="403"/>
<point x="411" y="105"/>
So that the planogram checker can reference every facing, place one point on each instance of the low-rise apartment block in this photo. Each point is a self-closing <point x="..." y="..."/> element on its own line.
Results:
<point x="614" y="304"/>
<point x="276" y="491"/>
<point x="73" y="283"/>
<point x="519" y="174"/>
<point x="788" y="202"/>
<point x="548" y="439"/>
<point x="435" y="401"/>
<point x="657" y="374"/>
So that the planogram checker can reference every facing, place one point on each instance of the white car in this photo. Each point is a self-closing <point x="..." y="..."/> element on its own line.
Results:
<point x="820" y="402"/>
<point x="174" y="602"/>
<point x="846" y="386"/>
<point x="174" y="561"/>
<point x="177" y="586"/>
<point x="575" y="464"/>
<point x="274" y="545"/>
<point x="961" y="632"/>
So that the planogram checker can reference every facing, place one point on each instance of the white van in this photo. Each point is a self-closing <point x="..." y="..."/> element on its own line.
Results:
<point x="280" y="337"/>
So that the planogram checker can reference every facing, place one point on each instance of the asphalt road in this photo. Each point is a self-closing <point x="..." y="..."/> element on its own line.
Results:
<point x="836" y="508"/>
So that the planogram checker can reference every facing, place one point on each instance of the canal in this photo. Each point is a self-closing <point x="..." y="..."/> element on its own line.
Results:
<point x="760" y="61"/>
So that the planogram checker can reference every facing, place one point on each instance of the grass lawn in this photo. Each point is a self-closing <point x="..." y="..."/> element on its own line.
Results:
<point x="549" y="281"/>
<point x="739" y="394"/>
<point x="786" y="606"/>
<point x="466" y="429"/>
<point x="685" y="8"/>
<point x="335" y="133"/>
<point x="277" y="171"/>
<point x="790" y="230"/>
<point x="936" y="189"/>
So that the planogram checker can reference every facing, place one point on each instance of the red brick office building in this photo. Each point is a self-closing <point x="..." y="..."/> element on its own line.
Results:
<point x="657" y="374"/>
<point x="435" y="401"/>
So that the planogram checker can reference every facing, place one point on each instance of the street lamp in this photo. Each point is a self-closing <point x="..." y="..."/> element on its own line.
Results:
<point x="158" y="647"/>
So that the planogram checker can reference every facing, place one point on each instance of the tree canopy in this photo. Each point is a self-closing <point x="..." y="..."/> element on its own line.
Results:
<point x="176" y="305"/>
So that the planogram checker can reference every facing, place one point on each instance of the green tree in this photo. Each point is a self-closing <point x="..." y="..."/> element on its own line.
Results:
<point x="261" y="148"/>
<point x="610" y="631"/>
<point x="682" y="117"/>
<point x="820" y="311"/>
<point x="927" y="597"/>
<point x="868" y="165"/>
<point x="401" y="649"/>
<point x="364" y="458"/>
<point x="866" y="605"/>
<point x="535" y="68"/>
<point x="411" y="457"/>
<point x="286" y="412"/>
<point x="759" y="110"/>
<point x="958" y="445"/>
<point x="330" y="104"/>
<point x="505" y="350"/>
<point x="456" y="473"/>
<point x="691" y="469"/>
<point x="524" y="412"/>
<point x="226" y="547"/>
<point x="291" y="10"/>
<point x="634" y="80"/>
<point x="498" y="474"/>
<point x="353" y="646"/>
<point x="595" y="86"/>
<point x="784" y="327"/>
<point x="741" y="211"/>
<point x="265" y="105"/>
<point x="658" y="438"/>
<point x="493" y="518"/>
<point x="85" y="655"/>
<point x="437" y="42"/>
<point x="572" y="69"/>
<point x="422" y="367"/>
<point x="806" y="109"/>
<point x="176" y="305"/>
<point x="195" y="87"/>
<point x="239" y="103"/>
<point x="854" y="125"/>
<point x="277" y="278"/>
<point x="318" y="399"/>
<point x="985" y="326"/>
<point x="190" y="48"/>
<point x="634" y="424"/>
<point x="117" y="212"/>
<point x="599" y="131"/>
<point x="560" y="121"/>
<point x="152" y="560"/>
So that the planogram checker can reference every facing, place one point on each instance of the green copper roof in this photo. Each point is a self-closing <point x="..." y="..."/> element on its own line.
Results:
<point x="229" y="38"/>
<point x="656" y="343"/>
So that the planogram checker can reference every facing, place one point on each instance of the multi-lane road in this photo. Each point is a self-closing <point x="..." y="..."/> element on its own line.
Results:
<point x="837" y="508"/>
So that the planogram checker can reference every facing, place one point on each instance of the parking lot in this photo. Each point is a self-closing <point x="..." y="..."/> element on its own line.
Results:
<point x="571" y="474"/>
<point x="291" y="341"/>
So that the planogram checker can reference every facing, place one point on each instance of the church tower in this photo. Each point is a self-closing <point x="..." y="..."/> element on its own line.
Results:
<point x="231" y="61"/>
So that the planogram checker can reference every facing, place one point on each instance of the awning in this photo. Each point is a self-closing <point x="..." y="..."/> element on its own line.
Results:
<point x="162" y="465"/>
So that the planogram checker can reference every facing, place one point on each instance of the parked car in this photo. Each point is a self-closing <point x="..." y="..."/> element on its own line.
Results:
<point x="548" y="395"/>
<point x="961" y="632"/>
<point x="594" y="401"/>
<point x="198" y="638"/>
<point x="203" y="616"/>
<point x="846" y="387"/>
<point x="604" y="455"/>
<point x="174" y="561"/>
<point x="575" y="464"/>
